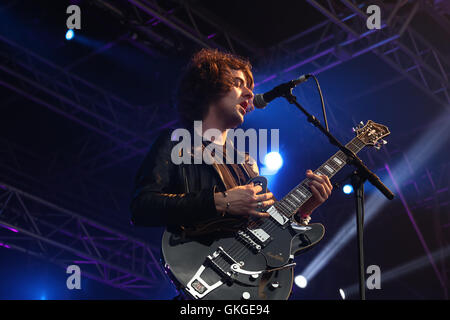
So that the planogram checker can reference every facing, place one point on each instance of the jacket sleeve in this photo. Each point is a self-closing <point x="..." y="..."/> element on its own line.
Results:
<point x="158" y="198"/>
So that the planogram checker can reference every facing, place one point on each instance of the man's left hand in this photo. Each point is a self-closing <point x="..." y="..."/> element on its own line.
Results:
<point x="321" y="187"/>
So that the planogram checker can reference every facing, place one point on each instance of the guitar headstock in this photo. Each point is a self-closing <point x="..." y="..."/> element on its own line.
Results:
<point x="372" y="133"/>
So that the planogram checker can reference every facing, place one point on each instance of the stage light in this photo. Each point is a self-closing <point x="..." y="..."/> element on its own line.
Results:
<point x="407" y="268"/>
<point x="424" y="148"/>
<point x="273" y="161"/>
<point x="70" y="34"/>
<point x="347" y="189"/>
<point x="342" y="294"/>
<point x="301" y="281"/>
<point x="9" y="228"/>
<point x="4" y="245"/>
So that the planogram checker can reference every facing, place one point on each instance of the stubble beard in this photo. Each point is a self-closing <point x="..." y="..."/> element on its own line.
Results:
<point x="231" y="117"/>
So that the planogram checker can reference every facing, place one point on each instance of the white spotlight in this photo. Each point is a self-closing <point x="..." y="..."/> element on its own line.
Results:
<point x="348" y="188"/>
<point x="342" y="294"/>
<point x="273" y="161"/>
<point x="301" y="281"/>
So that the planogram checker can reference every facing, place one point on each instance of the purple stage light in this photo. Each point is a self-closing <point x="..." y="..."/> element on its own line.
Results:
<point x="9" y="228"/>
<point x="265" y="80"/>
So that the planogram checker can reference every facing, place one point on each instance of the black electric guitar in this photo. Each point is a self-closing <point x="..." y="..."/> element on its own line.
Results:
<point x="256" y="259"/>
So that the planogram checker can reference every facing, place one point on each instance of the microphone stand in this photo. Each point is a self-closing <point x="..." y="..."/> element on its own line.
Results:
<point x="359" y="176"/>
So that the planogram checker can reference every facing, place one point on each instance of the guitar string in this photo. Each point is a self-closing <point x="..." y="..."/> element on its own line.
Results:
<point x="242" y="250"/>
<point x="289" y="213"/>
<point x="287" y="210"/>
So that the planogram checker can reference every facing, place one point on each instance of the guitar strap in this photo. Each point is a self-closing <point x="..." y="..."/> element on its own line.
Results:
<point x="233" y="175"/>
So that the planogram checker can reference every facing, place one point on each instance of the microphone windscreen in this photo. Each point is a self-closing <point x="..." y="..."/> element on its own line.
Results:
<point x="258" y="101"/>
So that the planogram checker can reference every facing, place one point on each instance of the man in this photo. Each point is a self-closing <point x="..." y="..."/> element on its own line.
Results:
<point x="216" y="89"/>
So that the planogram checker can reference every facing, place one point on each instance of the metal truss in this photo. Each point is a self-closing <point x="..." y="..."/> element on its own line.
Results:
<point x="129" y="129"/>
<point x="64" y="93"/>
<point x="158" y="20"/>
<point x="400" y="46"/>
<point x="58" y="235"/>
<point x="33" y="173"/>
<point x="429" y="190"/>
<point x="345" y="36"/>
<point x="426" y="190"/>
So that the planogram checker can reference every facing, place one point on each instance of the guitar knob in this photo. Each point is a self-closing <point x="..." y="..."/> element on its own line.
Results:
<point x="275" y="285"/>
<point x="245" y="295"/>
<point x="254" y="276"/>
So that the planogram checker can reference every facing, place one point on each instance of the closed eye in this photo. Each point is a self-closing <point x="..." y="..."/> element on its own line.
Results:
<point x="238" y="82"/>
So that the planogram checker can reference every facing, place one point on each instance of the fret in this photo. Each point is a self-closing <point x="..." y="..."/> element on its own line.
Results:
<point x="302" y="196"/>
<point x="294" y="199"/>
<point x="328" y="168"/>
<point x="321" y="171"/>
<point x="305" y="188"/>
<point x="334" y="165"/>
<point x="352" y="146"/>
<point x="301" y="193"/>
<point x="291" y="203"/>
<point x="337" y="161"/>
<point x="299" y="201"/>
<point x="282" y="207"/>
<point x="288" y="203"/>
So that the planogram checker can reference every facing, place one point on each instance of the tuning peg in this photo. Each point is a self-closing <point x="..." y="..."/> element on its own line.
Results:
<point x="361" y="123"/>
<point x="378" y="147"/>
<point x="383" y="141"/>
<point x="354" y="129"/>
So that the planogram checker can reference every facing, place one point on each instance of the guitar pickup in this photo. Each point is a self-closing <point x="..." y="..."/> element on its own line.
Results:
<point x="259" y="234"/>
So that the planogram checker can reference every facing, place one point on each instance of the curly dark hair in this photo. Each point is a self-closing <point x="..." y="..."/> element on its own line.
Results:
<point x="206" y="79"/>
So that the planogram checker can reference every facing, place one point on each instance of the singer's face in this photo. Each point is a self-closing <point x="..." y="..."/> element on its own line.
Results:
<point x="231" y="108"/>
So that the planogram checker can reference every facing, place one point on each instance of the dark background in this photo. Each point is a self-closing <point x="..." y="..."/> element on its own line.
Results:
<point x="47" y="154"/>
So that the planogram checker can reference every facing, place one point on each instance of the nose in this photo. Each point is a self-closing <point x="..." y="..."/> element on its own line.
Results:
<point x="247" y="93"/>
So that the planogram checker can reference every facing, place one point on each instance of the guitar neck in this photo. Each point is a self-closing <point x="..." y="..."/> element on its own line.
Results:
<point x="290" y="204"/>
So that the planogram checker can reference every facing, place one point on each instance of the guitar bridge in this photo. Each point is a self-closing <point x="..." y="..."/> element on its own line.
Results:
<point x="198" y="287"/>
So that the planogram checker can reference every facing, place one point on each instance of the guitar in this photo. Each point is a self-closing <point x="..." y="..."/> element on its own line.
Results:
<point x="256" y="261"/>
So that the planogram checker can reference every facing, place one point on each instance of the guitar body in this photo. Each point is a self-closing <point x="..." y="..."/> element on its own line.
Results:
<point x="202" y="266"/>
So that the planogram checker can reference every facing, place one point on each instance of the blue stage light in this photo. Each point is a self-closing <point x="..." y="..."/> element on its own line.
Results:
<point x="273" y="161"/>
<point x="70" y="34"/>
<point x="347" y="189"/>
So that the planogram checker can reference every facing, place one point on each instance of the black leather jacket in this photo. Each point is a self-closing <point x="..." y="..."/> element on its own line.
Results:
<point x="167" y="194"/>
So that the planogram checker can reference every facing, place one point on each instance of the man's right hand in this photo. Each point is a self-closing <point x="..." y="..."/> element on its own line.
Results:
<point x="244" y="200"/>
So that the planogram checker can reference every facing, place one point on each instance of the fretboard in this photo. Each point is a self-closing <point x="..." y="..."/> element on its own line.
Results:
<point x="290" y="204"/>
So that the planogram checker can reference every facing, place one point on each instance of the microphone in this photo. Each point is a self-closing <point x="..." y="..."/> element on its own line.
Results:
<point x="260" y="101"/>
